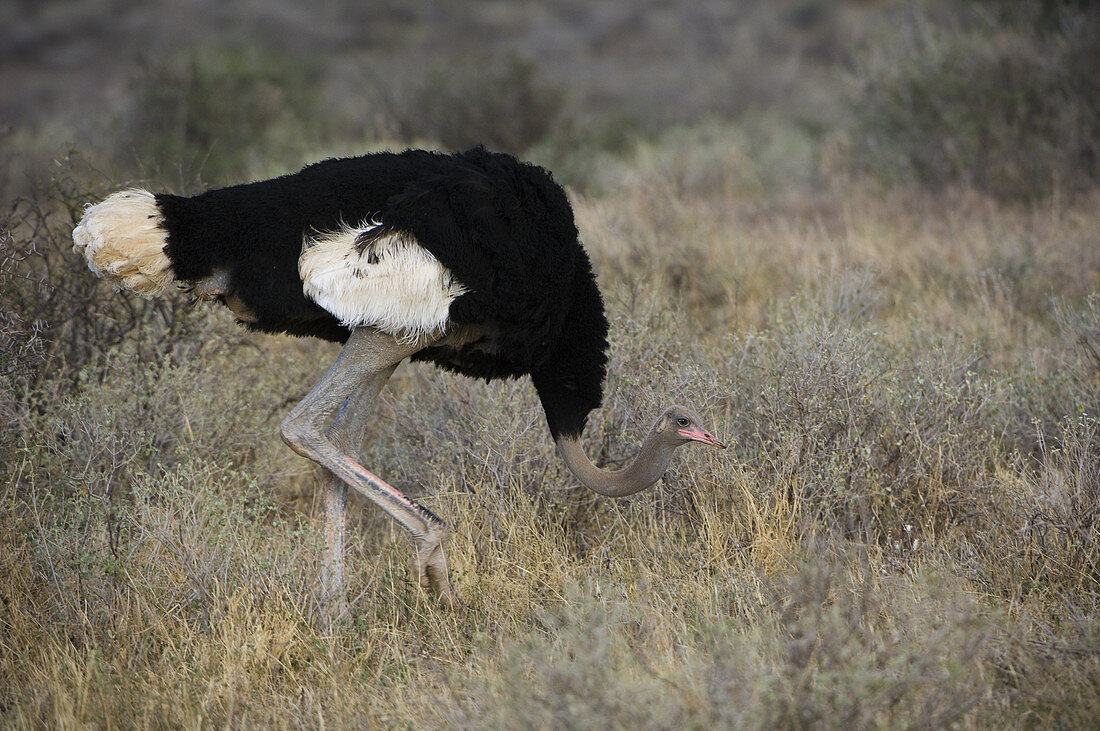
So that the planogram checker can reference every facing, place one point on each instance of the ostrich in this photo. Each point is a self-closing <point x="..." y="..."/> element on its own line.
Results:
<point x="470" y="261"/>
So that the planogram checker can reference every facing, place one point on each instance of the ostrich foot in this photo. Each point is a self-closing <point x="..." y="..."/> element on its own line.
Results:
<point x="429" y="563"/>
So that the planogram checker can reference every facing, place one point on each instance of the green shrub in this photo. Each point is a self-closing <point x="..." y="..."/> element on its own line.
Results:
<point x="1009" y="103"/>
<point x="501" y="103"/>
<point x="223" y="113"/>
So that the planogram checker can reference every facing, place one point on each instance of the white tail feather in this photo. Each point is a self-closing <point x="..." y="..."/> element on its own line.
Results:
<point x="122" y="241"/>
<point x="393" y="284"/>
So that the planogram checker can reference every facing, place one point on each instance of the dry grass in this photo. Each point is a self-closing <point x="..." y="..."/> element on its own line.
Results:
<point x="904" y="533"/>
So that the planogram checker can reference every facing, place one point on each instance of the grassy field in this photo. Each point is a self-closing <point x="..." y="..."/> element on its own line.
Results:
<point x="862" y="239"/>
<point x="903" y="533"/>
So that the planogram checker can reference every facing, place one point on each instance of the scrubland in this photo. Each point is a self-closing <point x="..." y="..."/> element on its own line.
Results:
<point x="902" y="533"/>
<point x="894" y="323"/>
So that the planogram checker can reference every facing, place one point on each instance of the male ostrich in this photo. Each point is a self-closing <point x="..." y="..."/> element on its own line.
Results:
<point x="470" y="261"/>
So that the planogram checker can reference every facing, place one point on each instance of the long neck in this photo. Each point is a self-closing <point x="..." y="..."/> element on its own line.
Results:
<point x="644" y="471"/>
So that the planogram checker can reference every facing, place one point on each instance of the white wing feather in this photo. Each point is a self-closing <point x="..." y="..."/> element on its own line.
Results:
<point x="393" y="283"/>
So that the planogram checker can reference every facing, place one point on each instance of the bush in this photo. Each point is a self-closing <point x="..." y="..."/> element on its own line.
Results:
<point x="836" y="646"/>
<point x="501" y="103"/>
<point x="76" y="318"/>
<point x="874" y="440"/>
<point x="1009" y="103"/>
<point x="223" y="112"/>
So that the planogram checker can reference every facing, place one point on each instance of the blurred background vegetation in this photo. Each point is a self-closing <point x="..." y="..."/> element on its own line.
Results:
<point x="995" y="94"/>
<point x="862" y="237"/>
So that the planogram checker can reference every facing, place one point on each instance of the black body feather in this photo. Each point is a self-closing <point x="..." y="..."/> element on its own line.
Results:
<point x="504" y="228"/>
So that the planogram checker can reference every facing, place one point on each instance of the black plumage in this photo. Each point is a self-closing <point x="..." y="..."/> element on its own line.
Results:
<point x="504" y="228"/>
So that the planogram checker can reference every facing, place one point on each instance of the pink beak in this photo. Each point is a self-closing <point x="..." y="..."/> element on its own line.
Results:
<point x="699" y="435"/>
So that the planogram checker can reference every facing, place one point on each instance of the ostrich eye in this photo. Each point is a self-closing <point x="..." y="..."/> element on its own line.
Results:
<point x="681" y="421"/>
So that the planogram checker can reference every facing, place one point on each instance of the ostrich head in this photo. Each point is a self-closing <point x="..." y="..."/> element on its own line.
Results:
<point x="679" y="425"/>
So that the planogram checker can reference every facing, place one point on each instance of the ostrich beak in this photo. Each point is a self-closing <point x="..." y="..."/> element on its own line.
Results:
<point x="700" y="435"/>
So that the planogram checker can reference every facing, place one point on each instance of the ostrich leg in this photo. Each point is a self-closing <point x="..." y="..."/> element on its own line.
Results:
<point x="334" y="600"/>
<point x="349" y="425"/>
<point x="364" y="365"/>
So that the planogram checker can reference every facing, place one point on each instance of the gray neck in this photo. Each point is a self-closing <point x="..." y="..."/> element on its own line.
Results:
<point x="644" y="471"/>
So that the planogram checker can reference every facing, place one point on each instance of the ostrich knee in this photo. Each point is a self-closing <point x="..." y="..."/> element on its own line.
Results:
<point x="302" y="436"/>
